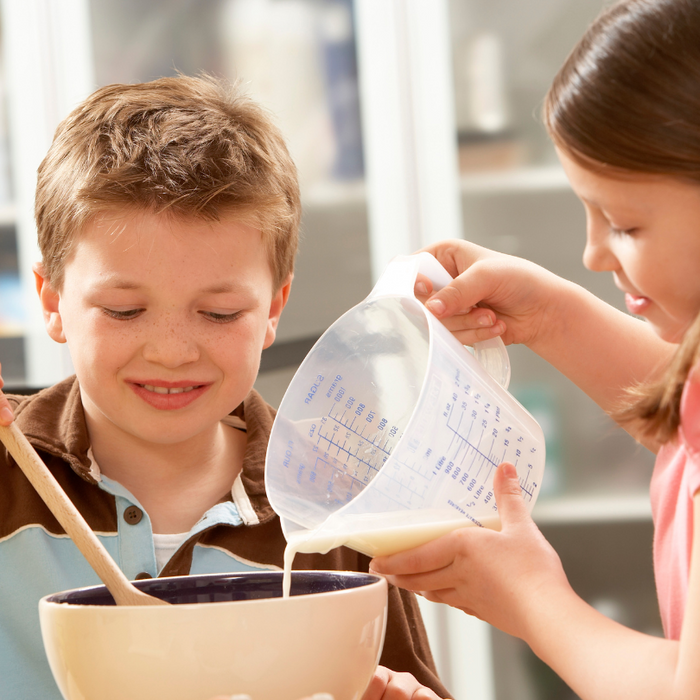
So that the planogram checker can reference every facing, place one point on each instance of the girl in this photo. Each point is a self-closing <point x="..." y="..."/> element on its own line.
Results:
<point x="624" y="114"/>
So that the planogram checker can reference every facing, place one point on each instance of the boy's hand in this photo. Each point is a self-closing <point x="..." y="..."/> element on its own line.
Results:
<point x="493" y="575"/>
<point x="390" y="685"/>
<point x="6" y="415"/>
<point x="386" y="685"/>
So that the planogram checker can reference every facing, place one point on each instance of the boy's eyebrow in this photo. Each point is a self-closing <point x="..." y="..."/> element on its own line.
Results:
<point x="120" y="283"/>
<point x="222" y="288"/>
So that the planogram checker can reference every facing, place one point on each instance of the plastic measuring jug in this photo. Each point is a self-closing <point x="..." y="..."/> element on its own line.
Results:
<point x="391" y="430"/>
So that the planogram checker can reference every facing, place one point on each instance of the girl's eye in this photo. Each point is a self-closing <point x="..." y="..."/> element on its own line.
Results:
<point x="122" y="315"/>
<point x="622" y="231"/>
<point x="220" y="318"/>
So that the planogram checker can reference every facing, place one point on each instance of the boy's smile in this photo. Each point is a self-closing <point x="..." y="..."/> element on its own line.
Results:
<point x="168" y="396"/>
<point x="166" y="318"/>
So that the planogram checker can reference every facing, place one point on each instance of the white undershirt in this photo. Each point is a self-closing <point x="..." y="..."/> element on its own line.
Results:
<point x="166" y="546"/>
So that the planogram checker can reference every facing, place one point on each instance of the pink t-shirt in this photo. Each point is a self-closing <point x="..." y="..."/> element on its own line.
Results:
<point x="676" y="478"/>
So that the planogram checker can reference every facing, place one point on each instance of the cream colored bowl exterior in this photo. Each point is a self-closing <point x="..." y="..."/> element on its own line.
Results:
<point x="271" y="649"/>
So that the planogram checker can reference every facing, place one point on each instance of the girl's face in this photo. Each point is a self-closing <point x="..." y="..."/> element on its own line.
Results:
<point x="645" y="229"/>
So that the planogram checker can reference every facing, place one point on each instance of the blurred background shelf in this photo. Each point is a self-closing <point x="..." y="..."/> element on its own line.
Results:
<point x="511" y="180"/>
<point x="409" y="122"/>
<point x="8" y="215"/>
<point x="591" y="509"/>
<point x="329" y="194"/>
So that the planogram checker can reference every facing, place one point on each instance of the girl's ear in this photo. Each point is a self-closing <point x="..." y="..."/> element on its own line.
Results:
<point x="49" y="304"/>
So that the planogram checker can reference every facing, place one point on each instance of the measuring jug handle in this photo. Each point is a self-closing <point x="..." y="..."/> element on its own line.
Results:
<point x="399" y="278"/>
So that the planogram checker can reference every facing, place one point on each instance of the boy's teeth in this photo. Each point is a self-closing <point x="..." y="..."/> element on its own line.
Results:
<point x="165" y="390"/>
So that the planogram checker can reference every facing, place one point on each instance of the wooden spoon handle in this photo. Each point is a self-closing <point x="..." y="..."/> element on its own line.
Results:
<point x="71" y="520"/>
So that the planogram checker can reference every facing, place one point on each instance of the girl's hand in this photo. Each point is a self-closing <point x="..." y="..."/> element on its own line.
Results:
<point x="390" y="685"/>
<point x="6" y="415"/>
<point x="486" y="573"/>
<point x="515" y="297"/>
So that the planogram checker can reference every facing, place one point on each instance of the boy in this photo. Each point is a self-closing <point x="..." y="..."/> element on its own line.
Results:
<point x="168" y="216"/>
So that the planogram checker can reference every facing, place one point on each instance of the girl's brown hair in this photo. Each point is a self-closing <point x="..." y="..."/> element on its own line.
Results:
<point x="191" y="146"/>
<point x="628" y="97"/>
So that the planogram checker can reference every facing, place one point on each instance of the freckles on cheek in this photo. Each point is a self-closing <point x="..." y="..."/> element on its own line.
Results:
<point x="100" y="344"/>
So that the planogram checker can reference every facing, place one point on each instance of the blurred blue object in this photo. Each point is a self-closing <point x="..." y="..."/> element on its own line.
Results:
<point x="12" y="313"/>
<point x="337" y="37"/>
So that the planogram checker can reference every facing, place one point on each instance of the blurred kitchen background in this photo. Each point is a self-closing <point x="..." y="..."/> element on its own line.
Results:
<point x="410" y="121"/>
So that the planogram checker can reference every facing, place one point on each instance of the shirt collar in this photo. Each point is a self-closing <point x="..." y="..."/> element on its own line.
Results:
<point x="54" y="421"/>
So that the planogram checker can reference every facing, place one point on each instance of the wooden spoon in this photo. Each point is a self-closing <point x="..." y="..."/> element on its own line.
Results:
<point x="123" y="592"/>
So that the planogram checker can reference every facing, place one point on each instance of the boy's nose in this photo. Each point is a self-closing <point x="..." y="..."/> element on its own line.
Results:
<point x="171" y="345"/>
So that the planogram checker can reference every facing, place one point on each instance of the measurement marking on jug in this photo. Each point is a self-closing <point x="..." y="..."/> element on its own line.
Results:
<point x="341" y="421"/>
<point x="354" y="454"/>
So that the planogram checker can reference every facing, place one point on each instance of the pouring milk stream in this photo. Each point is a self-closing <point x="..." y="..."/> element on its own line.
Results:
<point x="390" y="431"/>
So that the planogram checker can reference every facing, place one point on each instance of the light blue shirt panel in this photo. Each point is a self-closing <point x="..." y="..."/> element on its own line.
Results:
<point x="59" y="565"/>
<point x="24" y="670"/>
<point x="225" y="512"/>
<point x="212" y="560"/>
<point x="136" y="553"/>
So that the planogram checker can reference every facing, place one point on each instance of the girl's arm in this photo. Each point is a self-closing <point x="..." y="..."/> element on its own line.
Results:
<point x="599" y="348"/>
<point x="688" y="669"/>
<point x="602" y="660"/>
<point x="513" y="579"/>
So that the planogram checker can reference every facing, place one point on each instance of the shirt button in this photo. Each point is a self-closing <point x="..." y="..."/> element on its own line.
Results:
<point x="143" y="576"/>
<point x="133" y="515"/>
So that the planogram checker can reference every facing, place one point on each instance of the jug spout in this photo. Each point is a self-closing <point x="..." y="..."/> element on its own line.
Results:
<point x="381" y="534"/>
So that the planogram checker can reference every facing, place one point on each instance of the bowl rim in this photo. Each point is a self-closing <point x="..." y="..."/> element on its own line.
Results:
<point x="373" y="580"/>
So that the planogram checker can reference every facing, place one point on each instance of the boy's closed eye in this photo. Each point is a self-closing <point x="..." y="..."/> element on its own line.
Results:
<point x="219" y="317"/>
<point x="214" y="316"/>
<point x="122" y="314"/>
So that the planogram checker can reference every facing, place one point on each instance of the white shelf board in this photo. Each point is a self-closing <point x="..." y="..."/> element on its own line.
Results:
<point x="8" y="214"/>
<point x="589" y="509"/>
<point x="529" y="179"/>
<point x="10" y="330"/>
<point x="331" y="193"/>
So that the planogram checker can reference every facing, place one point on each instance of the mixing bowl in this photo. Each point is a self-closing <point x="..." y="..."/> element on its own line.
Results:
<point x="226" y="634"/>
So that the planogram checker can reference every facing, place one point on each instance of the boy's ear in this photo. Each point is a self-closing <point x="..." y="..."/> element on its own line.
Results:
<point x="49" y="304"/>
<point x="279" y="301"/>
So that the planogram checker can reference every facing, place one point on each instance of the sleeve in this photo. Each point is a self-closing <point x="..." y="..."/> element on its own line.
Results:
<point x="689" y="429"/>
<point x="406" y="646"/>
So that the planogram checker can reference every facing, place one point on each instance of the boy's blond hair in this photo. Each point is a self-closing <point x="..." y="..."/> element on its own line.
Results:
<point x="183" y="145"/>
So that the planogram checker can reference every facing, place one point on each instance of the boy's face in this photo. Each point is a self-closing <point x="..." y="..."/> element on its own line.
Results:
<point x="166" y="319"/>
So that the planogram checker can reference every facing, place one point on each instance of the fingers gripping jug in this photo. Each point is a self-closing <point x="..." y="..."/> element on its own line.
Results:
<point x="390" y="432"/>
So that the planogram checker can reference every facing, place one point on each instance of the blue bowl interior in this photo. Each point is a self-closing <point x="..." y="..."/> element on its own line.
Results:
<point x="218" y="588"/>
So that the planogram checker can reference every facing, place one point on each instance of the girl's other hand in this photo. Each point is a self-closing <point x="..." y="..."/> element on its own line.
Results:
<point x="6" y="415"/>
<point x="493" y="294"/>
<point x="490" y="574"/>
<point x="391" y="685"/>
